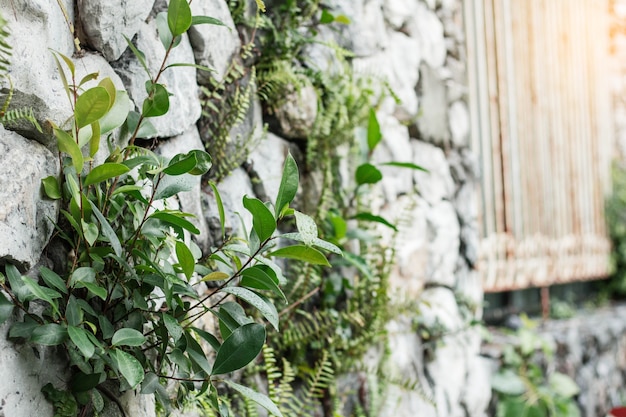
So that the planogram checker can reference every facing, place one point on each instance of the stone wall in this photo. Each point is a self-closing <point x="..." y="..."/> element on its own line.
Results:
<point x="417" y="46"/>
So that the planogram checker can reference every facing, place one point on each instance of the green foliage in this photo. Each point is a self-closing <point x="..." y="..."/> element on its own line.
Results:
<point x="126" y="307"/>
<point x="615" y="212"/>
<point x="522" y="387"/>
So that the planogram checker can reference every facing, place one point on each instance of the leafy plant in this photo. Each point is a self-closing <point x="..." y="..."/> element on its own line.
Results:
<point x="523" y="388"/>
<point x="127" y="306"/>
<point x="615" y="211"/>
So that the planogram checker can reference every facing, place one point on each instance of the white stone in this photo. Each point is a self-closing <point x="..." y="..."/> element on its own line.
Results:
<point x="398" y="12"/>
<point x="26" y="215"/>
<point x="436" y="184"/>
<point x="184" y="108"/>
<point x="213" y="45"/>
<point x="106" y="22"/>
<point x="428" y="29"/>
<point x="24" y="370"/>
<point x="443" y="235"/>
<point x="459" y="124"/>
<point x="432" y="124"/>
<point x="268" y="159"/>
<point x="296" y="116"/>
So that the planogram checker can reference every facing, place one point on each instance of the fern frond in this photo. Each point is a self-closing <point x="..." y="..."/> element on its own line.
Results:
<point x="320" y="379"/>
<point x="16" y="115"/>
<point x="5" y="48"/>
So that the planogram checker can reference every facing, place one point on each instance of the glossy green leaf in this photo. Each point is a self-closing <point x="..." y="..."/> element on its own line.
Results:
<point x="165" y="35"/>
<point x="91" y="106"/>
<point x="107" y="230"/>
<point x="61" y="70"/>
<point x="73" y="313"/>
<point x="263" y="220"/>
<point x="51" y="334"/>
<point x="67" y="144"/>
<point x="19" y="288"/>
<point x="23" y="330"/>
<point x="179" y="17"/>
<point x="220" y="208"/>
<point x="326" y="17"/>
<point x="82" y="275"/>
<point x="128" y="337"/>
<point x="301" y="253"/>
<point x="6" y="308"/>
<point x="107" y="84"/>
<point x="374" y="134"/>
<point x="173" y="327"/>
<point x="96" y="290"/>
<point x="90" y="232"/>
<point x="369" y="217"/>
<point x="258" y="278"/>
<point x="180" y="164"/>
<point x="288" y="185"/>
<point x="150" y="383"/>
<point x="307" y="228"/>
<point x="94" y="141"/>
<point x="185" y="259"/>
<point x="104" y="172"/>
<point x="51" y="187"/>
<point x="172" y="185"/>
<point x="317" y="242"/>
<point x="508" y="382"/>
<point x="203" y="162"/>
<point x="200" y="20"/>
<point x="176" y="221"/>
<point x="239" y="349"/>
<point x="129" y="367"/>
<point x="231" y="317"/>
<point x="215" y="276"/>
<point x="43" y="293"/>
<point x="158" y="101"/>
<point x="563" y="385"/>
<point x="146" y="129"/>
<point x="408" y="165"/>
<point x="196" y="354"/>
<point x="208" y="337"/>
<point x="117" y="114"/>
<point x="52" y="279"/>
<point x="367" y="174"/>
<point x="265" y="307"/>
<point x="79" y="337"/>
<point x="255" y="396"/>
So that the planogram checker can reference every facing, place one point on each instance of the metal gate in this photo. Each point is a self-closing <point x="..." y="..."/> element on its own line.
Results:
<point x="539" y="76"/>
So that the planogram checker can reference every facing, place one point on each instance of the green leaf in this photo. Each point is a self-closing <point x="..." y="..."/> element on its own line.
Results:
<point x="408" y="165"/>
<point x="107" y="84"/>
<point x="91" y="106"/>
<point x="104" y="172"/>
<point x="196" y="354"/>
<point x="261" y="5"/>
<point x="369" y="217"/>
<point x="255" y="396"/>
<point x="19" y="288"/>
<point x="117" y="114"/>
<point x="239" y="349"/>
<point x="179" y="17"/>
<point x="220" y="208"/>
<point x="94" y="141"/>
<point x="51" y="334"/>
<point x="180" y="164"/>
<point x="301" y="253"/>
<point x="374" y="135"/>
<point x="173" y="327"/>
<point x="158" y="101"/>
<point x="263" y="220"/>
<point x="203" y="162"/>
<point x="128" y="337"/>
<point x="170" y="185"/>
<point x="200" y="20"/>
<point x="257" y="277"/>
<point x="51" y="187"/>
<point x="508" y="382"/>
<point x="215" y="276"/>
<point x="52" y="279"/>
<point x="67" y="144"/>
<point x="231" y="317"/>
<point x="367" y="174"/>
<point x="107" y="230"/>
<point x="288" y="185"/>
<point x="317" y="242"/>
<point x="73" y="312"/>
<point x="326" y="17"/>
<point x="43" y="293"/>
<point x="208" y="337"/>
<point x="129" y="367"/>
<point x="96" y="290"/>
<point x="176" y="221"/>
<point x="90" y="232"/>
<point x="79" y="337"/>
<point x="6" y="308"/>
<point x="141" y="57"/>
<point x="563" y="385"/>
<point x="265" y="307"/>
<point x="82" y="275"/>
<point x="343" y="19"/>
<point x="150" y="383"/>
<point x="185" y="259"/>
<point x="146" y="129"/>
<point x="307" y="228"/>
<point x="70" y="64"/>
<point x="165" y="35"/>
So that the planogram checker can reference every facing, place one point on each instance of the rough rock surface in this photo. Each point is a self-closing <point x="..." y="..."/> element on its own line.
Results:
<point x="26" y="215"/>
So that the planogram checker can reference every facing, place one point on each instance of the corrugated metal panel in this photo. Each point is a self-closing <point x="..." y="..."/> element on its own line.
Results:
<point x="540" y="103"/>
